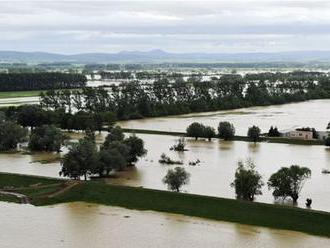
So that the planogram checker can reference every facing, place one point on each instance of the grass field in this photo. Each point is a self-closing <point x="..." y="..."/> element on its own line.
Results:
<point x="14" y="94"/>
<point x="258" y="214"/>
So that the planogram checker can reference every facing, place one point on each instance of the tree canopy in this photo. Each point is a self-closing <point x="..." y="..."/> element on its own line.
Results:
<point x="254" y="133"/>
<point x="288" y="181"/>
<point x="176" y="178"/>
<point x="248" y="182"/>
<point x="10" y="135"/>
<point x="226" y="130"/>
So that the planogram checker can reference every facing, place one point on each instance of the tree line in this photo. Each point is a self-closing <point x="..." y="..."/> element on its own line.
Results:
<point x="162" y="97"/>
<point x="41" y="81"/>
<point x="248" y="183"/>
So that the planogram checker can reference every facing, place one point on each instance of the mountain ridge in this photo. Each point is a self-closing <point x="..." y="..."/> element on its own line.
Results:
<point x="158" y="55"/>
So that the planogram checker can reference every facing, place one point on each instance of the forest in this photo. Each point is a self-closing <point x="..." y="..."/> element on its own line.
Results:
<point x="136" y="100"/>
<point x="40" y="81"/>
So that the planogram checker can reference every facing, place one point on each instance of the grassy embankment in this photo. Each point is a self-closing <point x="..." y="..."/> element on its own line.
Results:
<point x="236" y="138"/>
<point x="41" y="192"/>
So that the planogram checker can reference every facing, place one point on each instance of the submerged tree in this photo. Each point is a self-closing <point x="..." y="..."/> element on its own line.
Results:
<point x="176" y="178"/>
<point x="248" y="182"/>
<point x="136" y="148"/>
<point x="46" y="138"/>
<point x="10" y="135"/>
<point x="208" y="133"/>
<point x="226" y="130"/>
<point x="195" y="130"/>
<point x="254" y="133"/>
<point x="288" y="182"/>
<point x="80" y="160"/>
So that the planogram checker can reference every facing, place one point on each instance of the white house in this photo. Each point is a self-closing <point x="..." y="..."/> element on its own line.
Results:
<point x="298" y="134"/>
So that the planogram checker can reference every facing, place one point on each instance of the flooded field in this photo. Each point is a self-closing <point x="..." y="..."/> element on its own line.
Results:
<point x="215" y="173"/>
<point x="314" y="113"/>
<point x="89" y="225"/>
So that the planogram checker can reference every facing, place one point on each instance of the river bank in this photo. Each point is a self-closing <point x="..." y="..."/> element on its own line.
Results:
<point x="257" y="214"/>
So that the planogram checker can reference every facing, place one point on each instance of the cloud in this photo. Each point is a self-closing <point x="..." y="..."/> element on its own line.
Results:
<point x="180" y="26"/>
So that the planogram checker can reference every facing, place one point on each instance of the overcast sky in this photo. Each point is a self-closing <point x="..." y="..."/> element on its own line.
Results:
<point x="175" y="26"/>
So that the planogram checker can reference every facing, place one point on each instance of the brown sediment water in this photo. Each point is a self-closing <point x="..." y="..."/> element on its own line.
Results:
<point x="90" y="225"/>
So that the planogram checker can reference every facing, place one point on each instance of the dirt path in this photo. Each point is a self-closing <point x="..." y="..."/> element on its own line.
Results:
<point x="68" y="185"/>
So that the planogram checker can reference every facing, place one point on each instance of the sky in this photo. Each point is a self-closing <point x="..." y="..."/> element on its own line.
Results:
<point x="71" y="27"/>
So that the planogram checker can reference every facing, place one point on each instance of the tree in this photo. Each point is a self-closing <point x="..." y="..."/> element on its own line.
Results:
<point x="80" y="160"/>
<point x="254" y="133"/>
<point x="226" y="130"/>
<point x="289" y="181"/>
<point x="328" y="127"/>
<point x="10" y="135"/>
<point x="248" y="182"/>
<point x="195" y="130"/>
<point x="209" y="133"/>
<point x="115" y="134"/>
<point x="176" y="178"/>
<point x="327" y="141"/>
<point x="31" y="116"/>
<point x="273" y="132"/>
<point x="109" y="160"/>
<point x="136" y="149"/>
<point x="46" y="138"/>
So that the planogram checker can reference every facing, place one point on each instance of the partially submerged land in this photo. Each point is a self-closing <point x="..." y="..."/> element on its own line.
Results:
<point x="41" y="191"/>
<point x="281" y="140"/>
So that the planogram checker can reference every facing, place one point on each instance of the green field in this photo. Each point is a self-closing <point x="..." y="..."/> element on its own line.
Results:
<point x="258" y="214"/>
<point x="14" y="94"/>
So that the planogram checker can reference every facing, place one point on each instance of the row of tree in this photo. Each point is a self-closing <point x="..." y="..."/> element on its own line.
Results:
<point x="162" y="97"/>
<point x="226" y="131"/>
<point x="286" y="182"/>
<point x="41" y="81"/>
<point x="33" y="116"/>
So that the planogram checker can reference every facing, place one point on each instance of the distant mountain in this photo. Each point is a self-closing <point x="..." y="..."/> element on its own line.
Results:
<point x="160" y="56"/>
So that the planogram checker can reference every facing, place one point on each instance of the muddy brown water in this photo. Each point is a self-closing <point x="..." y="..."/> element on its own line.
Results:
<point x="88" y="225"/>
<point x="314" y="113"/>
<point x="215" y="172"/>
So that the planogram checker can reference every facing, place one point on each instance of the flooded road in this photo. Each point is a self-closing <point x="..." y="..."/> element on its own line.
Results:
<point x="88" y="225"/>
<point x="314" y="113"/>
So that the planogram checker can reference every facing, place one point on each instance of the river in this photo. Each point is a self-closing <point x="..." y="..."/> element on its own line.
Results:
<point x="88" y="225"/>
<point x="314" y="113"/>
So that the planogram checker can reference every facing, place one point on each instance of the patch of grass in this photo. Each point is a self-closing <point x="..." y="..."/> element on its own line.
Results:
<point x="258" y="214"/>
<point x="9" y="198"/>
<point x="18" y="181"/>
<point x="14" y="94"/>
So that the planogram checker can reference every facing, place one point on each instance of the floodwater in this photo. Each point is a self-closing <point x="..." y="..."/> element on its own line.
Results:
<point x="89" y="225"/>
<point x="314" y="113"/>
<point x="215" y="172"/>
